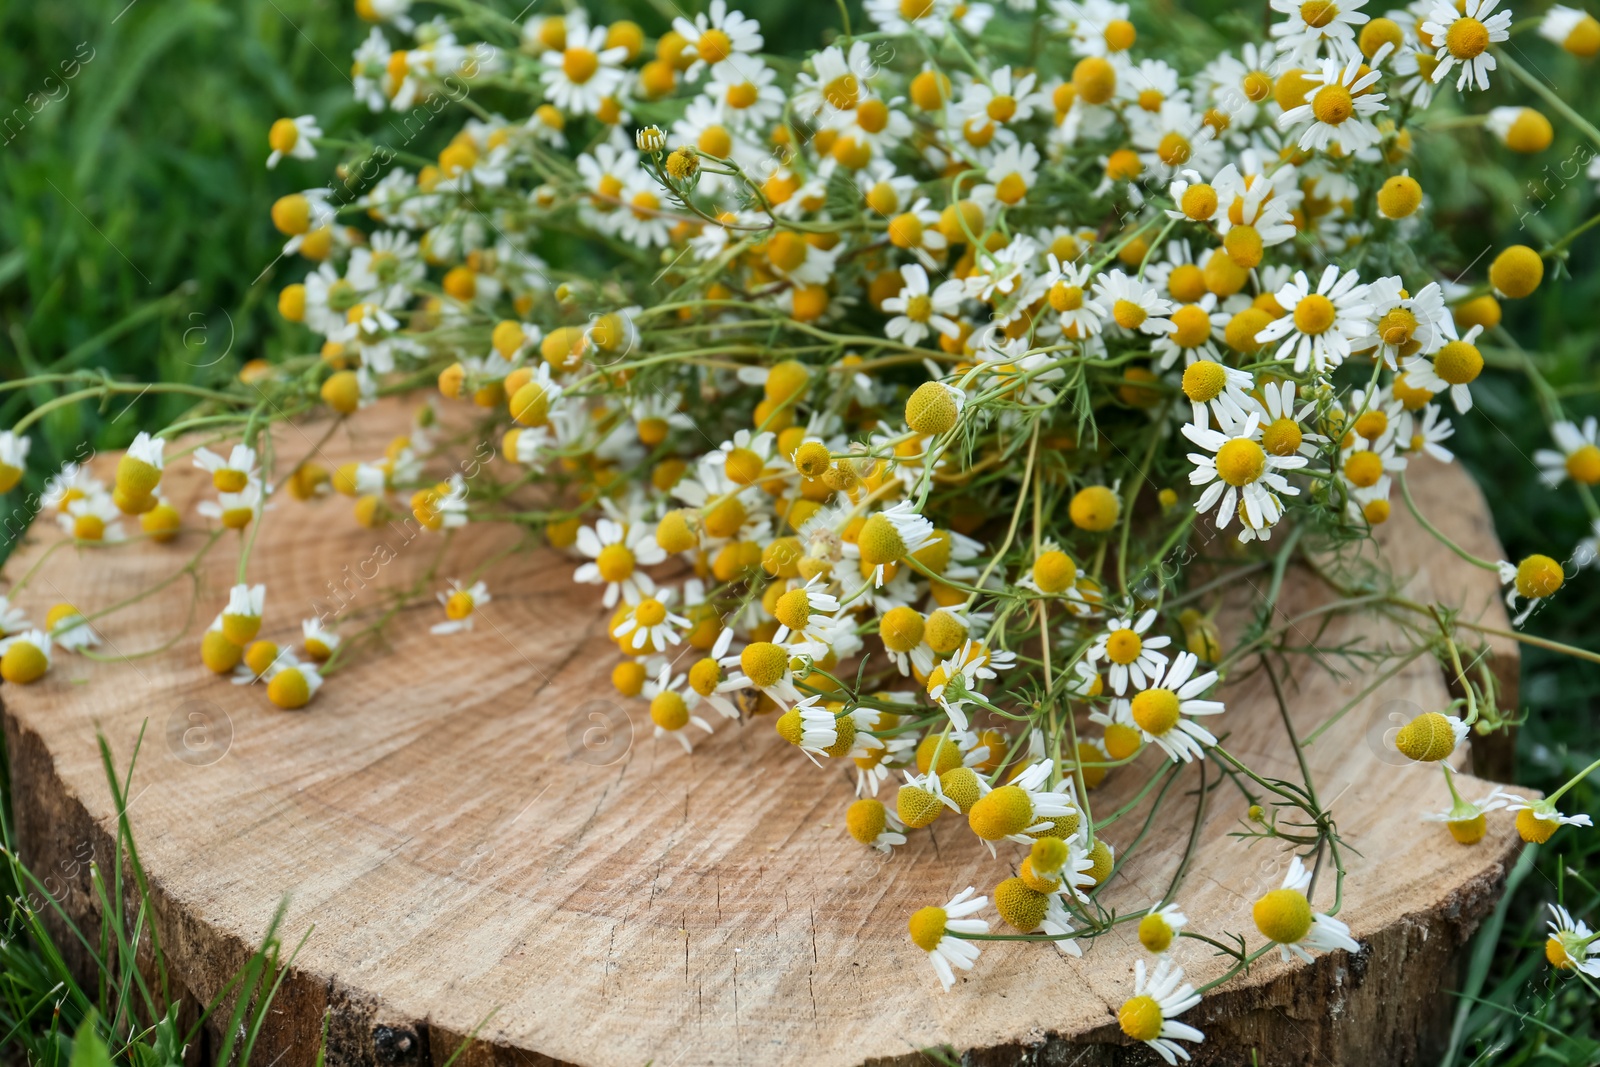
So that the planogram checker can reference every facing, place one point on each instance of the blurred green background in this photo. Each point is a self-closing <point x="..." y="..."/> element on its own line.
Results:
<point x="134" y="234"/>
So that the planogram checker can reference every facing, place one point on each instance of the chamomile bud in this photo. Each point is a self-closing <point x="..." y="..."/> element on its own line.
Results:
<point x="1095" y="508"/>
<point x="1054" y="572"/>
<point x="1399" y="197"/>
<point x="934" y="408"/>
<point x="1516" y="272"/>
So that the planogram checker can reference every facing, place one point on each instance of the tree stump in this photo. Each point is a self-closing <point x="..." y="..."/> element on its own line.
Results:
<point x="485" y="836"/>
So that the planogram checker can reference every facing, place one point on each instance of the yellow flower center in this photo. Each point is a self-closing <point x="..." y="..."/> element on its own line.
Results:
<point x="1129" y="316"/>
<point x="1122" y="740"/>
<point x="1427" y="738"/>
<point x="1584" y="464"/>
<point x="1174" y="149"/>
<point x="944" y="632"/>
<point x="1123" y="646"/>
<point x="1011" y="189"/>
<point x="919" y="308"/>
<point x="1318" y="13"/>
<point x="1154" y="933"/>
<point x="1002" y="108"/>
<point x="901" y="629"/>
<point x="1156" y="710"/>
<point x="615" y="563"/>
<point x="1458" y="363"/>
<point x="283" y="136"/>
<point x="1372" y="424"/>
<point x="1150" y="99"/>
<point x="1020" y="905"/>
<point x="1054" y="571"/>
<point x="764" y="663"/>
<point x="715" y="141"/>
<point x="669" y="711"/>
<point x="742" y="466"/>
<point x="1001" y="812"/>
<point x="843" y="92"/>
<point x="1363" y="468"/>
<point x="714" y="46"/>
<point x="1557" y="954"/>
<point x="1539" y="576"/>
<point x="927" y="927"/>
<point x="1193" y="330"/>
<point x="1204" y="380"/>
<point x="650" y="612"/>
<point x="1466" y="38"/>
<point x="1282" y="437"/>
<point x="915" y="9"/>
<point x="458" y="606"/>
<point x="1240" y="461"/>
<point x="1283" y="915"/>
<point x="1397" y="327"/>
<point x="880" y="542"/>
<point x="1314" y="314"/>
<point x="579" y="65"/>
<point x="1332" y="104"/>
<point x="742" y="95"/>
<point x="1140" y="1018"/>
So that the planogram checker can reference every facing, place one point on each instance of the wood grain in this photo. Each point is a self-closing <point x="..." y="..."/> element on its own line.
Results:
<point x="468" y="847"/>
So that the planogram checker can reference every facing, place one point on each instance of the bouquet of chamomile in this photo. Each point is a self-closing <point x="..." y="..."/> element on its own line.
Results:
<point x="902" y="394"/>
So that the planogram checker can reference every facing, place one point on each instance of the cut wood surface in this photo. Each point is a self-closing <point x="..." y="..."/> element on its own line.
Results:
<point x="479" y="834"/>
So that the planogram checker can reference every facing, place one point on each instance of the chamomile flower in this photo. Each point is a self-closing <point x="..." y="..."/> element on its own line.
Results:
<point x="92" y="518"/>
<point x="1151" y="1015"/>
<point x="1453" y="369"/>
<point x="918" y="310"/>
<point x="1428" y="433"/>
<point x="910" y="16"/>
<point x="1158" y="930"/>
<point x="766" y="666"/>
<point x="234" y="511"/>
<point x="889" y="537"/>
<point x="1021" y="807"/>
<point x="1310" y="29"/>
<point x="229" y="474"/>
<point x="671" y="707"/>
<point x="1282" y="432"/>
<point x="1537" y="820"/>
<point x="1239" y="473"/>
<point x="938" y="932"/>
<point x="874" y="825"/>
<point x="293" y="137"/>
<point x="69" y="629"/>
<point x="1463" y="35"/>
<point x="1338" y="108"/>
<point x="1132" y="656"/>
<point x="1162" y="712"/>
<point x="461" y="606"/>
<point x="318" y="641"/>
<point x="747" y="92"/>
<point x="581" y="75"/>
<point x="1062" y="287"/>
<point x="651" y="626"/>
<point x="290" y="683"/>
<point x="618" y="550"/>
<point x="1013" y="171"/>
<point x="718" y="36"/>
<point x="1319" y="323"/>
<point x="1579" y="455"/>
<point x="1571" y="945"/>
<point x="1534" y="579"/>
<point x="1133" y="304"/>
<point x="1467" y="822"/>
<point x="1196" y="328"/>
<point x="25" y="657"/>
<point x="806" y="612"/>
<point x="1284" y="917"/>
<point x="953" y="682"/>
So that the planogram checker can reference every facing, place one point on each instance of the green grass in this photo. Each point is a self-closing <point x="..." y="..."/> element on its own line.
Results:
<point x="133" y="239"/>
